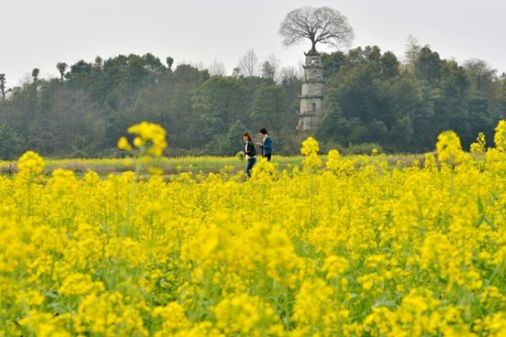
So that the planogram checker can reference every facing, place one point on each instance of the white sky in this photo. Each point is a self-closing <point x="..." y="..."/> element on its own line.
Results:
<point x="40" y="33"/>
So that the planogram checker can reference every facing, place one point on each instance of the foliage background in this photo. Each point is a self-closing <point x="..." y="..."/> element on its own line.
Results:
<point x="371" y="97"/>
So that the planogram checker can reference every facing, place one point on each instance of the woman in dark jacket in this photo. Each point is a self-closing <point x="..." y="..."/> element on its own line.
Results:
<point x="249" y="153"/>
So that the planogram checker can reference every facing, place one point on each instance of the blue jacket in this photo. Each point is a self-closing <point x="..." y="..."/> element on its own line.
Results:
<point x="266" y="146"/>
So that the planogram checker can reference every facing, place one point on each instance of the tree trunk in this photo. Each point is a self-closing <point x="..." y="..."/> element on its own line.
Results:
<point x="313" y="46"/>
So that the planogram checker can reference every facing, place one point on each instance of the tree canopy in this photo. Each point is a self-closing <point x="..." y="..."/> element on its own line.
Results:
<point x="319" y="25"/>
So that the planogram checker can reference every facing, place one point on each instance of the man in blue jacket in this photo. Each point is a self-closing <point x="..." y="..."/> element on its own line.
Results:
<point x="266" y="144"/>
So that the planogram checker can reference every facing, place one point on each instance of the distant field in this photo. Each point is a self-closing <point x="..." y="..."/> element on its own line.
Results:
<point x="174" y="165"/>
<point x="169" y="165"/>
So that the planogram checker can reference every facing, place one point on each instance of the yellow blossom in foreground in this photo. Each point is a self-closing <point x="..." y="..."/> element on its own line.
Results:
<point x="124" y="145"/>
<point x="333" y="160"/>
<point x="500" y="136"/>
<point x="244" y="314"/>
<point x="309" y="150"/>
<point x="479" y="146"/>
<point x="30" y="163"/>
<point x="79" y="284"/>
<point x="335" y="265"/>
<point x="359" y="247"/>
<point x="151" y="134"/>
<point x="309" y="147"/>
<point x="448" y="147"/>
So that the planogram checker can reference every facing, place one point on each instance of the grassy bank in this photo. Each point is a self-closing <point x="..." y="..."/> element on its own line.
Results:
<point x="169" y="165"/>
<point x="174" y="165"/>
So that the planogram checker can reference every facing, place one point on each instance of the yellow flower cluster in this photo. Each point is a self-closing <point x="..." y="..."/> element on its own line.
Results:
<point x="355" y="247"/>
<point x="449" y="148"/>
<point x="479" y="146"/>
<point x="264" y="169"/>
<point x="309" y="150"/>
<point x="149" y="139"/>
<point x="30" y="163"/>
<point x="500" y="136"/>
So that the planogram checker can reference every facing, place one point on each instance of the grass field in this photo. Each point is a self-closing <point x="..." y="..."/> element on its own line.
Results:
<point x="174" y="165"/>
<point x="169" y="165"/>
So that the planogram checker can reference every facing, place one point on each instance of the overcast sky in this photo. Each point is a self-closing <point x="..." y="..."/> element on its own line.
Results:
<point x="40" y="33"/>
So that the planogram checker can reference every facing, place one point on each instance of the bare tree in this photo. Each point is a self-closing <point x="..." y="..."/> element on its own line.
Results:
<point x="274" y="61"/>
<point x="412" y="52"/>
<point x="217" y="68"/>
<point x="62" y="67"/>
<point x="289" y="74"/>
<point x="3" y="89"/>
<point x="319" y="25"/>
<point x="249" y="63"/>
<point x="198" y="65"/>
<point x="480" y="75"/>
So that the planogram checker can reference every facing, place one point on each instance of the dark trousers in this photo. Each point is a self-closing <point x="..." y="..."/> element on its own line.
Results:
<point x="249" y="165"/>
<point x="268" y="156"/>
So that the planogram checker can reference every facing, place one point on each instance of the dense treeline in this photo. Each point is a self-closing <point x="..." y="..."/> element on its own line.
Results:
<point x="84" y="112"/>
<point x="371" y="97"/>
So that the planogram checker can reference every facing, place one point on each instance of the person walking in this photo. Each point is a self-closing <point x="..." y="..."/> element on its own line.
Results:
<point x="249" y="153"/>
<point x="265" y="144"/>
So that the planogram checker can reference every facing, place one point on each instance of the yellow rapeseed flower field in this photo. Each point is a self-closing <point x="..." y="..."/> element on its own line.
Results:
<point x="332" y="249"/>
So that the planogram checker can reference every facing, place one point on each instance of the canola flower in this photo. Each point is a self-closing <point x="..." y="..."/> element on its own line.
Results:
<point x="149" y="139"/>
<point x="330" y="250"/>
<point x="148" y="146"/>
<point x="30" y="164"/>
<point x="479" y="146"/>
<point x="500" y="136"/>
<point x="449" y="148"/>
<point x="309" y="150"/>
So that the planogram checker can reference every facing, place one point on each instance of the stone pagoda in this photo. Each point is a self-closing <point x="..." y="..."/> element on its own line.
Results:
<point x="311" y="96"/>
